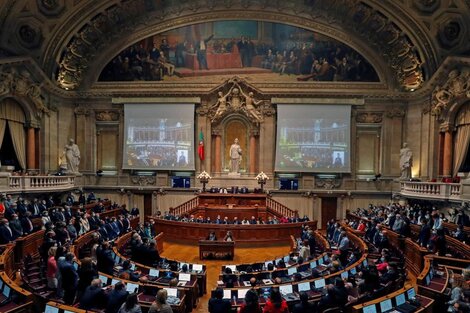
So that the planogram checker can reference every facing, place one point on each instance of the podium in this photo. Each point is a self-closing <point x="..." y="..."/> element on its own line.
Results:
<point x="209" y="249"/>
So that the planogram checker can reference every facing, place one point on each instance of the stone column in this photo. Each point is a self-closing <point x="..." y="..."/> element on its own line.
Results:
<point x="252" y="166"/>
<point x="447" y="164"/>
<point x="218" y="152"/>
<point x="31" y="149"/>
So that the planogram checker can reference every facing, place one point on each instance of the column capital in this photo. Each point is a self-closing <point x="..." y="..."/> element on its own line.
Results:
<point x="446" y="127"/>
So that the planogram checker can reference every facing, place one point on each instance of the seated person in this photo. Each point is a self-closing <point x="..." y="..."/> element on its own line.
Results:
<point x="217" y="304"/>
<point x="212" y="236"/>
<point x="128" y="273"/>
<point x="116" y="297"/>
<point x="228" y="236"/>
<point x="94" y="296"/>
<point x="391" y="274"/>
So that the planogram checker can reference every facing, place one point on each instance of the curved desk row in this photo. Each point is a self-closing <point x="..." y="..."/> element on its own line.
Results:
<point x="193" y="232"/>
<point x="146" y="291"/>
<point x="259" y="268"/>
<point x="20" y="300"/>
<point x="352" y="269"/>
<point x="412" y="252"/>
<point x="394" y="299"/>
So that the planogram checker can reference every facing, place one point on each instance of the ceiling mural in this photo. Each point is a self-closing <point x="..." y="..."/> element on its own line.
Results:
<point x="71" y="40"/>
<point x="269" y="51"/>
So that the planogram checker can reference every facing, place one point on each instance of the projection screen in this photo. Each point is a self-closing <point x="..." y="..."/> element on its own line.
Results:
<point x="158" y="136"/>
<point x="313" y="138"/>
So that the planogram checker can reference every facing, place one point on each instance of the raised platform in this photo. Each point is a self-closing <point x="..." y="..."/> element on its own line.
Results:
<point x="193" y="232"/>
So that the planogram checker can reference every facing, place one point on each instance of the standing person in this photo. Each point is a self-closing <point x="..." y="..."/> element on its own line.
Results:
<point x="201" y="52"/>
<point x="218" y="304"/>
<point x="160" y="305"/>
<point x="251" y="304"/>
<point x="86" y="273"/>
<point x="69" y="279"/>
<point x="235" y="156"/>
<point x="275" y="303"/>
<point x="51" y="269"/>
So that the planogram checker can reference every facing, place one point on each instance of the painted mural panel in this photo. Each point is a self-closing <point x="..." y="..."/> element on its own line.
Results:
<point x="264" y="50"/>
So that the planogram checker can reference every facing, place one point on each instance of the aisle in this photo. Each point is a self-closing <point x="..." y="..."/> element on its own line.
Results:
<point x="190" y="253"/>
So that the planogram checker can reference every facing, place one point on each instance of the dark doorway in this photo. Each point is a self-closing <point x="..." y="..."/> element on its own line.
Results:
<point x="7" y="151"/>
<point x="328" y="210"/>
<point x="147" y="205"/>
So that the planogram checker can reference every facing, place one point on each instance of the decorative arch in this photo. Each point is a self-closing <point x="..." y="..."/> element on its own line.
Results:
<point x="379" y="35"/>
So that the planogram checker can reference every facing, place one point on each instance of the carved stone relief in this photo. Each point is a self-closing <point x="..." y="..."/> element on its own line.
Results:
<point x="369" y="117"/>
<point x="143" y="180"/>
<point x="107" y="116"/>
<point x="457" y="86"/>
<point x="51" y="7"/>
<point x="238" y="99"/>
<point x="396" y="112"/>
<point x="13" y="82"/>
<point x="328" y="183"/>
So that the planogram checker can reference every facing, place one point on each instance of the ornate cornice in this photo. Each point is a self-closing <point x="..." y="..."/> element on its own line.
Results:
<point x="454" y="89"/>
<point x="369" y="117"/>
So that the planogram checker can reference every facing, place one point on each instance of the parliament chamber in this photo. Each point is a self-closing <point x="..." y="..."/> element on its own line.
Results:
<point x="234" y="156"/>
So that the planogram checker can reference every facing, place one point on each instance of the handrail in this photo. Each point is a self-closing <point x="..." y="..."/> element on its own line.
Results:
<point x="40" y="183"/>
<point x="280" y="209"/>
<point x="436" y="190"/>
<point x="185" y="208"/>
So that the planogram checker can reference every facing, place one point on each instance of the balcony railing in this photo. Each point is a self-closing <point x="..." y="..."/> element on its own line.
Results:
<point x="441" y="191"/>
<point x="38" y="183"/>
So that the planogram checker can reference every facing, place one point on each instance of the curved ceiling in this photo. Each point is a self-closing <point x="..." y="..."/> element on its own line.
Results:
<point x="406" y="40"/>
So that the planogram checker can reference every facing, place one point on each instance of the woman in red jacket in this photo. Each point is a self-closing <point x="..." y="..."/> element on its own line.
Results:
<point x="276" y="304"/>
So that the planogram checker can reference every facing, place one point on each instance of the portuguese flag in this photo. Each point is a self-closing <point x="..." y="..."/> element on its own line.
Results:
<point x="200" y="148"/>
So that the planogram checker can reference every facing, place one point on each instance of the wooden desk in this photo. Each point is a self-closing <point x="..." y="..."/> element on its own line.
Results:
<point x="237" y="199"/>
<point x="192" y="232"/>
<point x="28" y="245"/>
<point x="65" y="307"/>
<point x="216" y="249"/>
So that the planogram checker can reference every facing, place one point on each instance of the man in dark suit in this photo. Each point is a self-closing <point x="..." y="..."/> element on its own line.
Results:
<point x="424" y="233"/>
<point x="69" y="279"/>
<point x="27" y="224"/>
<point x="390" y="275"/>
<point x="105" y="259"/>
<point x="15" y="226"/>
<point x="6" y="235"/>
<point x="21" y="207"/>
<point x="33" y="207"/>
<point x="94" y="296"/>
<point x="116" y="297"/>
<point x="218" y="304"/>
<point x="201" y="52"/>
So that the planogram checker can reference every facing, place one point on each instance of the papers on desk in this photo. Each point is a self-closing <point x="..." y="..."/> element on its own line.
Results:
<point x="184" y="277"/>
<point x="227" y="294"/>
<point x="181" y="284"/>
<point x="246" y="283"/>
<point x="172" y="292"/>
<point x="241" y="293"/>
<point x="197" y="267"/>
<point x="153" y="272"/>
<point x="220" y="282"/>
<point x="267" y="282"/>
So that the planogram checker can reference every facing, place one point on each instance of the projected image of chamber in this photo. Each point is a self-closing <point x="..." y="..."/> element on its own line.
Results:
<point x="159" y="136"/>
<point x="313" y="138"/>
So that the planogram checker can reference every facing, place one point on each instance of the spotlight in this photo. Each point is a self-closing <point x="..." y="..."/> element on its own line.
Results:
<point x="377" y="177"/>
<point x="99" y="173"/>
